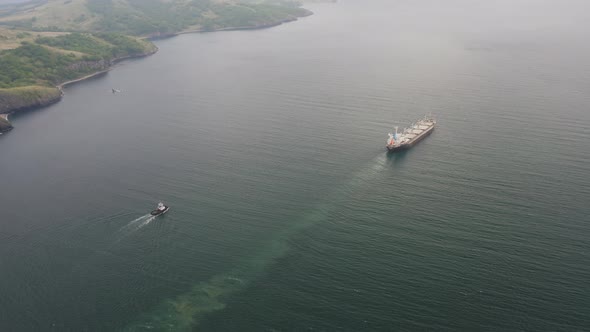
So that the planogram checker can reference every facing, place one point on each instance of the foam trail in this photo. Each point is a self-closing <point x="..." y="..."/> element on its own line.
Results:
<point x="184" y="312"/>
<point x="133" y="222"/>
<point x="145" y="222"/>
<point x="133" y="226"/>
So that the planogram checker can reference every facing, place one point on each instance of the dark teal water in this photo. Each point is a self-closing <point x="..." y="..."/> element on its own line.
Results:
<point x="287" y="214"/>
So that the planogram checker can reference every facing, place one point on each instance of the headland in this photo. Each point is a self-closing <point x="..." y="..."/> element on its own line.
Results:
<point x="42" y="54"/>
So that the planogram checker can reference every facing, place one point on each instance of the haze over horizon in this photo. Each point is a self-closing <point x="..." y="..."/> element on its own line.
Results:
<point x="8" y="2"/>
<point x="287" y="212"/>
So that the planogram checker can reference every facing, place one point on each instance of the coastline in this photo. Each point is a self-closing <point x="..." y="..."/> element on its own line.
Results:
<point x="62" y="85"/>
<point x="83" y="78"/>
<point x="256" y="27"/>
<point x="112" y="63"/>
<point x="5" y="125"/>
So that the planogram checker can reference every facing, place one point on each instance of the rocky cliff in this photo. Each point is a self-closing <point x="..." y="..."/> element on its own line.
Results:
<point x="18" y="99"/>
<point x="4" y="125"/>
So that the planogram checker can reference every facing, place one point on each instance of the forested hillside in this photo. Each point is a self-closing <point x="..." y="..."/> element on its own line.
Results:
<point x="44" y="43"/>
<point x="50" y="61"/>
<point x="30" y="73"/>
<point x="149" y="17"/>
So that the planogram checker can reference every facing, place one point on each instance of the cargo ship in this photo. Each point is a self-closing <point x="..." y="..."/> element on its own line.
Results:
<point x="411" y="135"/>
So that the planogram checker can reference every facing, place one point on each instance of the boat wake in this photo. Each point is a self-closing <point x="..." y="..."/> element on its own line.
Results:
<point x="134" y="225"/>
<point x="367" y="174"/>
<point x="146" y="222"/>
<point x="185" y="311"/>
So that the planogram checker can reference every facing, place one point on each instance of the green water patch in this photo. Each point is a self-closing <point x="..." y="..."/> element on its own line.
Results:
<point x="186" y="311"/>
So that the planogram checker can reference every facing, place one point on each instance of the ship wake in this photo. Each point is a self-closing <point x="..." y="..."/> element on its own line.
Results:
<point x="185" y="312"/>
<point x="134" y="225"/>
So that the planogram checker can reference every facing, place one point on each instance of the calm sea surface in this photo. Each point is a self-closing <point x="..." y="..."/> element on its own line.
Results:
<point x="286" y="212"/>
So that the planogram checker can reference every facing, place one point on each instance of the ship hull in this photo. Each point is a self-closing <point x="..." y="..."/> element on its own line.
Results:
<point x="158" y="212"/>
<point x="411" y="143"/>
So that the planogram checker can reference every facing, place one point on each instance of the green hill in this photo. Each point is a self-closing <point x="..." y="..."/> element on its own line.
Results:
<point x="30" y="73"/>
<point x="149" y="17"/>
<point x="49" y="61"/>
<point x="44" y="43"/>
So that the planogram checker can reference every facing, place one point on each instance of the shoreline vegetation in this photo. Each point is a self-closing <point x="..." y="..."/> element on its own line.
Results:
<point x="37" y="62"/>
<point x="34" y="74"/>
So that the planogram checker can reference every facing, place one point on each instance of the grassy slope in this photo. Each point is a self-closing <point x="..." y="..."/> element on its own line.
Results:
<point x="55" y="14"/>
<point x="52" y="60"/>
<point x="152" y="17"/>
<point x="25" y="97"/>
<point x="40" y="61"/>
<point x="10" y="38"/>
<point x="29" y="73"/>
<point x="31" y="64"/>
